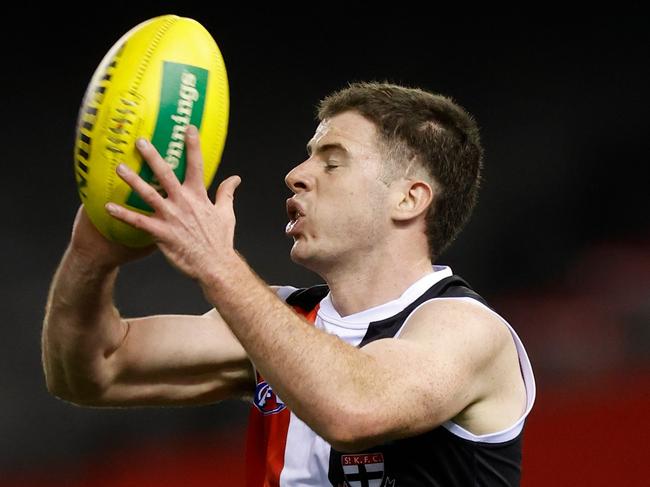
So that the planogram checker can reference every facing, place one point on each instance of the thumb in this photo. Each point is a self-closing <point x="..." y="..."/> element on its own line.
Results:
<point x="226" y="191"/>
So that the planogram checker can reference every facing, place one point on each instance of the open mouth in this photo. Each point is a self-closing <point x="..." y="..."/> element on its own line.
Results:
<point x="295" y="214"/>
<point x="294" y="220"/>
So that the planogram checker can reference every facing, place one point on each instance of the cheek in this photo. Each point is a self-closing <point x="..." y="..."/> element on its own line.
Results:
<point x="355" y="210"/>
<point x="363" y="210"/>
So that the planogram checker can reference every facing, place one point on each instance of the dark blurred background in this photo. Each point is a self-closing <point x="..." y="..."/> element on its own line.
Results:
<point x="559" y="242"/>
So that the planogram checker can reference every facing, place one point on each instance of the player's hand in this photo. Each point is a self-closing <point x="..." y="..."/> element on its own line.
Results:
<point x="95" y="249"/>
<point x="195" y="234"/>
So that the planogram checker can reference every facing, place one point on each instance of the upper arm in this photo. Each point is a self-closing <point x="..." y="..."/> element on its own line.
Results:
<point x="441" y="364"/>
<point x="177" y="359"/>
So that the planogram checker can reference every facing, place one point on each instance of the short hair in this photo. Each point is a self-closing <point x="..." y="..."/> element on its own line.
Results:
<point x="430" y="129"/>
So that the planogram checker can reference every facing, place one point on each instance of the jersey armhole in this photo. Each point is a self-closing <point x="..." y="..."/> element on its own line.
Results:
<point x="525" y="367"/>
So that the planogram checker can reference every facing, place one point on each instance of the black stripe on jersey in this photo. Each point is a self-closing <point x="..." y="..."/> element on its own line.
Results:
<point x="449" y="287"/>
<point x="438" y="458"/>
<point x="308" y="298"/>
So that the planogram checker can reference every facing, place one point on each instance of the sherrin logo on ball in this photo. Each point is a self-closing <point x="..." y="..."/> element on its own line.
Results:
<point x="163" y="75"/>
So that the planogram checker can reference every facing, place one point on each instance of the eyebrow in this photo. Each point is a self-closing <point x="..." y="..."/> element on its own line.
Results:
<point x="328" y="147"/>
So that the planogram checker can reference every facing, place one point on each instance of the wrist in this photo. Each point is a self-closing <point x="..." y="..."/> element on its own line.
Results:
<point x="219" y="276"/>
<point x="80" y="283"/>
<point x="88" y="264"/>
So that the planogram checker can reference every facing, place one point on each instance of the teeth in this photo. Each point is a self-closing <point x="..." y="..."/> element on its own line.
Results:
<point x="290" y="226"/>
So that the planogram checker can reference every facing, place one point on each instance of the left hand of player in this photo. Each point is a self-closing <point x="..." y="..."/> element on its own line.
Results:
<point x="194" y="234"/>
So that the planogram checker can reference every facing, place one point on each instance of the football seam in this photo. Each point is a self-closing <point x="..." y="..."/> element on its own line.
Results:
<point x="133" y="90"/>
<point x="152" y="48"/>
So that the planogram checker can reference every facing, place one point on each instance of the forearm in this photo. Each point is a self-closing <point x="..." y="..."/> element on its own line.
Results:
<point x="81" y="328"/>
<point x="321" y="378"/>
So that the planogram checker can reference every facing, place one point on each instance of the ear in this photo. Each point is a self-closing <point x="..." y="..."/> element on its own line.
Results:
<point x="412" y="198"/>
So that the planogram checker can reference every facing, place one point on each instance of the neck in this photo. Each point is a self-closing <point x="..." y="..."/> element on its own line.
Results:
<point x="374" y="281"/>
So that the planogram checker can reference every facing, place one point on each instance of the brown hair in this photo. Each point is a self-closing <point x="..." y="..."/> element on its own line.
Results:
<point x="415" y="125"/>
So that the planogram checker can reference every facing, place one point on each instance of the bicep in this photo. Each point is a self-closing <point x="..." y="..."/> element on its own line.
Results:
<point x="178" y="359"/>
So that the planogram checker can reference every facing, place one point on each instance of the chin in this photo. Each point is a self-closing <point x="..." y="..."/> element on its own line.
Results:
<point x="300" y="254"/>
<point x="313" y="261"/>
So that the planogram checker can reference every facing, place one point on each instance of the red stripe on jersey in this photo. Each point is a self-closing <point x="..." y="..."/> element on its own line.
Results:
<point x="265" y="443"/>
<point x="267" y="437"/>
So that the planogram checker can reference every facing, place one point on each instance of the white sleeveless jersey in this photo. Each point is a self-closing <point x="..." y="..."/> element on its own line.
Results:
<point x="283" y="451"/>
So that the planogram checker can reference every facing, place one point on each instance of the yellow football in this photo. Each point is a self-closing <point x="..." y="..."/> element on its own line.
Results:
<point x="163" y="75"/>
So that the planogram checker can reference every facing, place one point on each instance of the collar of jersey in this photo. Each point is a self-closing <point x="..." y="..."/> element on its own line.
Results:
<point x="328" y="313"/>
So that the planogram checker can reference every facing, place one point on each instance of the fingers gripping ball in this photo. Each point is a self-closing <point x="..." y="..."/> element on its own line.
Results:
<point x="161" y="76"/>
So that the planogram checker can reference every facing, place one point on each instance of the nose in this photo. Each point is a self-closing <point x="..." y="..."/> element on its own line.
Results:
<point x="298" y="179"/>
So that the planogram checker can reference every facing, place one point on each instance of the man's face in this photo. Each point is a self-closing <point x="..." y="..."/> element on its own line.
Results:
<point x="340" y="210"/>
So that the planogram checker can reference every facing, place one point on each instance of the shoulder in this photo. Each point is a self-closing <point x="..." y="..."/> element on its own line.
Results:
<point x="452" y="354"/>
<point x="458" y="323"/>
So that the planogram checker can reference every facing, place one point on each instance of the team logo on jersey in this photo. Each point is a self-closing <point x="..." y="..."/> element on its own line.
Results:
<point x="266" y="400"/>
<point x="363" y="470"/>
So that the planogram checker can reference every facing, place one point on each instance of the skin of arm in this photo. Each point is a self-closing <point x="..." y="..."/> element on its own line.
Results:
<point x="431" y="374"/>
<point x="92" y="356"/>
<point x="389" y="389"/>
